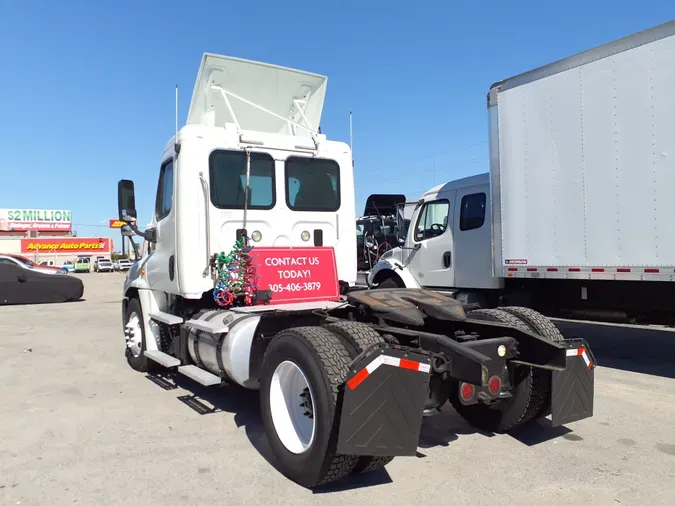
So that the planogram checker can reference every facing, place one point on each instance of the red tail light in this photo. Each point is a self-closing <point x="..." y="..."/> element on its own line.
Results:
<point x="494" y="385"/>
<point x="466" y="391"/>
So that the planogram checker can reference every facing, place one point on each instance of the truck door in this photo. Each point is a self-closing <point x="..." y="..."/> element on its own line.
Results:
<point x="431" y="261"/>
<point x="161" y="265"/>
<point x="473" y="241"/>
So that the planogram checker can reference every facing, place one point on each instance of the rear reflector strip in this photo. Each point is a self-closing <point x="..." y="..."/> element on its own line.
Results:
<point x="623" y="270"/>
<point x="552" y="269"/>
<point x="652" y="271"/>
<point x="597" y="270"/>
<point x="580" y="352"/>
<point x="531" y="269"/>
<point x="574" y="269"/>
<point x="513" y="269"/>
<point x="386" y="360"/>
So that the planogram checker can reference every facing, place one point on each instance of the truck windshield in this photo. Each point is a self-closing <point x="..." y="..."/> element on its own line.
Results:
<point x="312" y="184"/>
<point x="227" y="171"/>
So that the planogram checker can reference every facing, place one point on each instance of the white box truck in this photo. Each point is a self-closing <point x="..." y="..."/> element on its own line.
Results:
<point x="575" y="217"/>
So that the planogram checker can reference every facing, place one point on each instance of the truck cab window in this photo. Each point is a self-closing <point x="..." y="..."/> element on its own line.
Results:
<point x="472" y="214"/>
<point x="227" y="172"/>
<point x="432" y="220"/>
<point x="312" y="184"/>
<point x="164" y="191"/>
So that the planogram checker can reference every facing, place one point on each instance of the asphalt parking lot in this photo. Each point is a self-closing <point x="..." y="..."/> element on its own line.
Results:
<point x="77" y="425"/>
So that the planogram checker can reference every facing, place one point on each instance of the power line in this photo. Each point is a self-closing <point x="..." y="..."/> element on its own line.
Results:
<point x="432" y="171"/>
<point x="425" y="157"/>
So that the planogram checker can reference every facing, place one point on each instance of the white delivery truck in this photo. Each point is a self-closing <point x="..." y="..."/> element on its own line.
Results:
<point x="246" y="280"/>
<point x="575" y="217"/>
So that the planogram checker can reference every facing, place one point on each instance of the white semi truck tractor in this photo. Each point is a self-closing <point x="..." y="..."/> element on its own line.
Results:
<point x="248" y="279"/>
<point x="574" y="218"/>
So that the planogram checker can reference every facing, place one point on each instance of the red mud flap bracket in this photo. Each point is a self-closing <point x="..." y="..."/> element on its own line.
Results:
<point x="383" y="403"/>
<point x="572" y="389"/>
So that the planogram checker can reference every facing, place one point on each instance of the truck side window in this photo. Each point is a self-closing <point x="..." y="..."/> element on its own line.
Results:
<point x="227" y="173"/>
<point x="472" y="214"/>
<point x="164" y="191"/>
<point x="432" y="220"/>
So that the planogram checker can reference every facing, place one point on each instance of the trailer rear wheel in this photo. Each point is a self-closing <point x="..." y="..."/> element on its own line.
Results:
<point x="530" y="389"/>
<point x="303" y="371"/>
<point x="360" y="337"/>
<point x="541" y="325"/>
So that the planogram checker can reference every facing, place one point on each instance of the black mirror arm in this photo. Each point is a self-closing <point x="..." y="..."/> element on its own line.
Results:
<point x="149" y="234"/>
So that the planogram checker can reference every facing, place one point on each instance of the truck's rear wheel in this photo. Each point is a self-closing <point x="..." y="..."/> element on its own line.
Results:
<point x="300" y="400"/>
<point x="360" y="337"/>
<point x="539" y="324"/>
<point x="529" y="390"/>
<point x="134" y="335"/>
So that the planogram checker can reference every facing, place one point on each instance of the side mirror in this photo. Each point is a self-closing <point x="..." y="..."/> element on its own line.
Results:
<point x="126" y="200"/>
<point x="151" y="234"/>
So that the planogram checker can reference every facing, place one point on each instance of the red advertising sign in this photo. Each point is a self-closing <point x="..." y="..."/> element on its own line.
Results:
<point x="117" y="223"/>
<point x="74" y="245"/>
<point x="303" y="274"/>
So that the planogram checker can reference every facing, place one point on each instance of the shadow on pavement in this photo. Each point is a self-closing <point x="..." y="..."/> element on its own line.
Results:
<point x="245" y="405"/>
<point x="438" y="430"/>
<point x="629" y="348"/>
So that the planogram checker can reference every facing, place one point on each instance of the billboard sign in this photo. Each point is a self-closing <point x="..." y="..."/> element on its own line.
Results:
<point x="117" y="223"/>
<point x="74" y="245"/>
<point x="41" y="220"/>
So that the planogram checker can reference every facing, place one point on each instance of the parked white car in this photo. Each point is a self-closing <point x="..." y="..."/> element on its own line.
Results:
<point x="103" y="265"/>
<point x="123" y="264"/>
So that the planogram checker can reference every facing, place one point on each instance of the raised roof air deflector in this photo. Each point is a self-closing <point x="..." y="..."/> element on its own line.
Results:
<point x="257" y="96"/>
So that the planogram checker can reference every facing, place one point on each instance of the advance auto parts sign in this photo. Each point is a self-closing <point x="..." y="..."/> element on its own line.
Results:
<point x="23" y="220"/>
<point x="74" y="245"/>
<point x="297" y="274"/>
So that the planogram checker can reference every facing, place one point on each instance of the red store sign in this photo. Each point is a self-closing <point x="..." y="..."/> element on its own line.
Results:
<point x="74" y="245"/>
<point x="302" y="274"/>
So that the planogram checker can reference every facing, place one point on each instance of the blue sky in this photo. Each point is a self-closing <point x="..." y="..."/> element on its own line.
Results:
<point x="87" y="88"/>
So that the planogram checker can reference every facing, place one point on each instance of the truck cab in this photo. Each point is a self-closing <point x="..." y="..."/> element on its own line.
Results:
<point x="448" y="245"/>
<point x="263" y="150"/>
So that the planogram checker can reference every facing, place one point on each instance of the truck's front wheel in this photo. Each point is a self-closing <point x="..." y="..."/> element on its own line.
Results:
<point x="134" y="336"/>
<point x="300" y="401"/>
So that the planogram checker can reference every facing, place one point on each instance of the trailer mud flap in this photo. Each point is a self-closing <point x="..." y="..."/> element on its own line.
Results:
<point x="383" y="403"/>
<point x="572" y="389"/>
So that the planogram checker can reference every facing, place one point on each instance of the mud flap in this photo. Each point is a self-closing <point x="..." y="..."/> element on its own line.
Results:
<point x="383" y="403"/>
<point x="572" y="389"/>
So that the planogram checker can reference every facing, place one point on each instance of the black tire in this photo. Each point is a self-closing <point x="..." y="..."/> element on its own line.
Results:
<point x="389" y="283"/>
<point x="360" y="337"/>
<point x="541" y="325"/>
<point x="141" y="363"/>
<point x="324" y="360"/>
<point x="530" y="390"/>
<point x="537" y="322"/>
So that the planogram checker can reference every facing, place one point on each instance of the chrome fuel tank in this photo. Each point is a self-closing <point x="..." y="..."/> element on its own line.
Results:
<point x="220" y="341"/>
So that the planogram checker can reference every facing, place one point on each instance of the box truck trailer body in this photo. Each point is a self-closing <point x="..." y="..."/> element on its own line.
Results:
<point x="583" y="164"/>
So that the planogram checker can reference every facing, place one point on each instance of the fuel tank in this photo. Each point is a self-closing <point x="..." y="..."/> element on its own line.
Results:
<point x="225" y="348"/>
